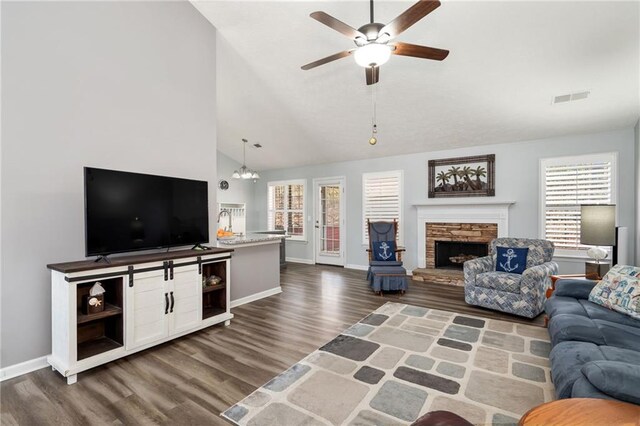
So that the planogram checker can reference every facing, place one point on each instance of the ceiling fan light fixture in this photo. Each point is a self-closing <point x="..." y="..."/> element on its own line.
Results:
<point x="372" y="54"/>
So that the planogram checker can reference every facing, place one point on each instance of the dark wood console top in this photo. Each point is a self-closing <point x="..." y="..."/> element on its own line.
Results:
<point x="87" y="265"/>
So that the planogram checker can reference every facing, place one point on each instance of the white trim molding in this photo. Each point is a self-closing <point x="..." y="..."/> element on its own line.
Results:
<point x="257" y="296"/>
<point x="299" y="260"/>
<point x="356" y="267"/>
<point x="457" y="212"/>
<point x="16" y="370"/>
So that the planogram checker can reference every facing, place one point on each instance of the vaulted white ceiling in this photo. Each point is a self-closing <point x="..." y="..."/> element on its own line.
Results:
<point x="508" y="60"/>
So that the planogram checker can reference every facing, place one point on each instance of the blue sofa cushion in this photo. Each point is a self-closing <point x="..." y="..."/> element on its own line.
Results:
<point x="502" y="281"/>
<point x="619" y="379"/>
<point x="557" y="305"/>
<point x="511" y="259"/>
<point x="384" y="250"/>
<point x="579" y="289"/>
<point x="582" y="388"/>
<point x="598" y="312"/>
<point x="619" y="335"/>
<point x="567" y="358"/>
<point x="569" y="327"/>
<point x="620" y="354"/>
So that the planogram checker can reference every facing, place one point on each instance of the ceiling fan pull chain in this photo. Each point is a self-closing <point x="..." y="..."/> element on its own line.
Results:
<point x="374" y="126"/>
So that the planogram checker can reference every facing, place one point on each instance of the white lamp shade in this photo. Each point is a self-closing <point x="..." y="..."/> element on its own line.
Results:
<point x="235" y="175"/>
<point x="598" y="225"/>
<point x="372" y="54"/>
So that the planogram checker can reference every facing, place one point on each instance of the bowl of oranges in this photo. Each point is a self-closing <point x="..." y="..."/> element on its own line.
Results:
<point x="225" y="235"/>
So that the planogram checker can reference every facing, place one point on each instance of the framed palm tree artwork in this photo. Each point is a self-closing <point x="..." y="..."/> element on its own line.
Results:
<point x="462" y="177"/>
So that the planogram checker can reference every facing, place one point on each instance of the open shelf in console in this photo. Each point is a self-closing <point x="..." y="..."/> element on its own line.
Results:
<point x="100" y="331"/>
<point x="214" y="297"/>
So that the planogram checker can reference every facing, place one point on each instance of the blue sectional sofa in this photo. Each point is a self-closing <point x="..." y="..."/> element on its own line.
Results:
<point x="595" y="351"/>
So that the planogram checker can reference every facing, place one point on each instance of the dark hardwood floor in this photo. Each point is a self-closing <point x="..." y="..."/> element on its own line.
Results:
<point x="192" y="379"/>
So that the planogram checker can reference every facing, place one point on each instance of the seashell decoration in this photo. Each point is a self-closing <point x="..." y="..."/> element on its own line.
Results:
<point x="94" y="301"/>
<point x="597" y="253"/>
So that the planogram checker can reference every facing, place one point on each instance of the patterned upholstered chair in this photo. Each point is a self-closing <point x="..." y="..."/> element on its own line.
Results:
<point x="517" y="294"/>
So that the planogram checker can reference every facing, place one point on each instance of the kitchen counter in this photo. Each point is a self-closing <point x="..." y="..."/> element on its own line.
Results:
<point x="251" y="239"/>
<point x="255" y="266"/>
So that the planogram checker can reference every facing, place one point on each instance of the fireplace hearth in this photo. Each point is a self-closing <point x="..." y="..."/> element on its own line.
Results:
<point x="453" y="254"/>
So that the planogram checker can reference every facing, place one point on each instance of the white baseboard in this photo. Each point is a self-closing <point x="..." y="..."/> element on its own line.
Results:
<point x="299" y="260"/>
<point x="358" y="267"/>
<point x="257" y="296"/>
<point x="23" y="368"/>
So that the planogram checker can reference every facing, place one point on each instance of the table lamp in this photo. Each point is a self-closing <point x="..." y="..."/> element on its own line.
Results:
<point x="597" y="228"/>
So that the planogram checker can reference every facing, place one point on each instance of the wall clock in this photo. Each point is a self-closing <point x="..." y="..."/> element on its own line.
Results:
<point x="223" y="185"/>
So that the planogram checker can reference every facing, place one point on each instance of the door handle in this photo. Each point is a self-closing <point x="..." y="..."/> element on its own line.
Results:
<point x="166" y="303"/>
<point x="173" y="301"/>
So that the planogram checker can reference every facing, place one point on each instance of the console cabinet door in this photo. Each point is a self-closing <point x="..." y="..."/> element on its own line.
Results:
<point x="146" y="304"/>
<point x="187" y="299"/>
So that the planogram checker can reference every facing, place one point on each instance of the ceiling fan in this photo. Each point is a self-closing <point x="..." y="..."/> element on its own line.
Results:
<point x="372" y="39"/>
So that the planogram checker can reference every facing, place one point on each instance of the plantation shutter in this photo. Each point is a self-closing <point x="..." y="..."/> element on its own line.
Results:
<point x="568" y="184"/>
<point x="381" y="199"/>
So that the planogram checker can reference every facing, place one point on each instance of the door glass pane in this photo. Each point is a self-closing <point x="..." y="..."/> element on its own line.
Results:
<point x="330" y="219"/>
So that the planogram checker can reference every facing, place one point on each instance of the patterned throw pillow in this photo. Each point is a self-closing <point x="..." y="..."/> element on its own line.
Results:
<point x="619" y="290"/>
<point x="512" y="260"/>
<point x="384" y="250"/>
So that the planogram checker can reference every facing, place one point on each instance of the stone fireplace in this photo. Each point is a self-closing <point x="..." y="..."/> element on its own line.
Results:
<point x="451" y="233"/>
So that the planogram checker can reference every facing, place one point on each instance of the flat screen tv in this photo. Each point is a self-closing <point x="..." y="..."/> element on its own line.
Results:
<point x="131" y="211"/>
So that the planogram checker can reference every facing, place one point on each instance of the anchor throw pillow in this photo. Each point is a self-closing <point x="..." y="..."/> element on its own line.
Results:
<point x="384" y="250"/>
<point x="511" y="259"/>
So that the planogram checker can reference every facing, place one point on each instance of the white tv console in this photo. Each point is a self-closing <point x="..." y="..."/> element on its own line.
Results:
<point x="149" y="299"/>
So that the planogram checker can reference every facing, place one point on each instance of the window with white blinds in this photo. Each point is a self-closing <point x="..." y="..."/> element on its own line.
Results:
<point x="382" y="200"/>
<point x="567" y="183"/>
<point x="285" y="210"/>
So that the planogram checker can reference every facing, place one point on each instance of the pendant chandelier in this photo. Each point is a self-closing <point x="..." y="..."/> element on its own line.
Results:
<point x="244" y="172"/>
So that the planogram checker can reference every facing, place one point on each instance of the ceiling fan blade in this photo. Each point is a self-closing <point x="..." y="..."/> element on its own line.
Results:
<point x="373" y="75"/>
<point x="410" y="17"/>
<point x="406" y="49"/>
<point x="331" y="58"/>
<point x="337" y="25"/>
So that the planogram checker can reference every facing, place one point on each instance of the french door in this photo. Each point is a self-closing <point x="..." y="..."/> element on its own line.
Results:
<point x="329" y="217"/>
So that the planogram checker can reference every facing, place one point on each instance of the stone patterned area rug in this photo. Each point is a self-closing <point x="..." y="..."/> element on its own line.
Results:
<point x="403" y="361"/>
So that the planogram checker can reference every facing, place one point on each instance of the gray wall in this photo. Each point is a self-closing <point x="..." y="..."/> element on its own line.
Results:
<point x="121" y="85"/>
<point x="240" y="190"/>
<point x="636" y="131"/>
<point x="517" y="179"/>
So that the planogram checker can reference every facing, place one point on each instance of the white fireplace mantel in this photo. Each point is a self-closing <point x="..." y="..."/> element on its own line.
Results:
<point x="460" y="211"/>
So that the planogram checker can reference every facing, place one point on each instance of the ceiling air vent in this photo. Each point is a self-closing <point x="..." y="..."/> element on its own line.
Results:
<point x="571" y="97"/>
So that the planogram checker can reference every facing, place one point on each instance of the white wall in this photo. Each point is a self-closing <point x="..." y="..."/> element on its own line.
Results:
<point x="120" y="85"/>
<point x="240" y="190"/>
<point x="517" y="179"/>
<point x="636" y="131"/>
